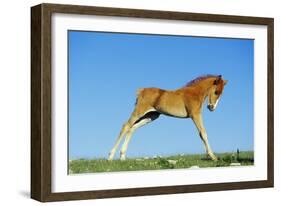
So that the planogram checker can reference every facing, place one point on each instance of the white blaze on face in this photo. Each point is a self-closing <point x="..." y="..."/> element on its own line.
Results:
<point x="215" y="105"/>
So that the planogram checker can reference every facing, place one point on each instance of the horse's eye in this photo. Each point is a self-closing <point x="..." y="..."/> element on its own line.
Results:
<point x="216" y="93"/>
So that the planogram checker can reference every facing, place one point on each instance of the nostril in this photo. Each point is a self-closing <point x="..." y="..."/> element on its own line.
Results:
<point x="210" y="107"/>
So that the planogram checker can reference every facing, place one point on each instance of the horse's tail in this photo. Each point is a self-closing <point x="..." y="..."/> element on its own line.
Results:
<point x="139" y="91"/>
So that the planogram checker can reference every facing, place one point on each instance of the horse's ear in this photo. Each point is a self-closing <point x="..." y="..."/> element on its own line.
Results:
<point x="217" y="80"/>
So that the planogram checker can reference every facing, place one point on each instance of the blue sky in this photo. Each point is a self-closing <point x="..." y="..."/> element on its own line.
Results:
<point x="106" y="69"/>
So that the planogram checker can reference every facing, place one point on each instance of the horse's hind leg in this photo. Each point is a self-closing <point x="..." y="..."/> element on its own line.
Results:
<point x="123" y="131"/>
<point x="148" y="117"/>
<point x="129" y="135"/>
<point x="126" y="127"/>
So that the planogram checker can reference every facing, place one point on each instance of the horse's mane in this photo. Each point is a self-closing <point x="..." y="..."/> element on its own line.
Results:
<point x="198" y="79"/>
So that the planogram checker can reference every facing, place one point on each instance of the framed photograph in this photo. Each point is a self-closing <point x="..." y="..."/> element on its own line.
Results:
<point x="128" y="102"/>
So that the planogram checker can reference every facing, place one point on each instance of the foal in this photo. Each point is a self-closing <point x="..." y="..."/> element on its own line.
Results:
<point x="185" y="102"/>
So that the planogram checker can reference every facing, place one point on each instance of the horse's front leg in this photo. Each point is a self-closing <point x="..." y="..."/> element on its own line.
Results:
<point x="197" y="119"/>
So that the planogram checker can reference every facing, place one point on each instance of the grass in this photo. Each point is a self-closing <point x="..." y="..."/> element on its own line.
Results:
<point x="171" y="162"/>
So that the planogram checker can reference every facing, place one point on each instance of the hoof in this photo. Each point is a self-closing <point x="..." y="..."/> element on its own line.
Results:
<point x="210" y="157"/>
<point x="110" y="157"/>
<point x="214" y="158"/>
<point x="122" y="157"/>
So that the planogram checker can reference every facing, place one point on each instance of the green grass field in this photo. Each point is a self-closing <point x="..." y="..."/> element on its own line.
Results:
<point x="171" y="162"/>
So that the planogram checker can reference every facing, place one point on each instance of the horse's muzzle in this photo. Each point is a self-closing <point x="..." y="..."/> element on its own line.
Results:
<point x="211" y="107"/>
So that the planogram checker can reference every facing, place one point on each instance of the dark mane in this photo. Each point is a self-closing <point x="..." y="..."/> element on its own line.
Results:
<point x="198" y="79"/>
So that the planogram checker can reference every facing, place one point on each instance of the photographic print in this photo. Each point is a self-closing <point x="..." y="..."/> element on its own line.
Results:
<point x="152" y="102"/>
<point x="129" y="102"/>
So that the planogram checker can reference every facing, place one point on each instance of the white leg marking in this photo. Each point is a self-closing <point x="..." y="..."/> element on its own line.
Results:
<point x="129" y="135"/>
<point x="123" y="131"/>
